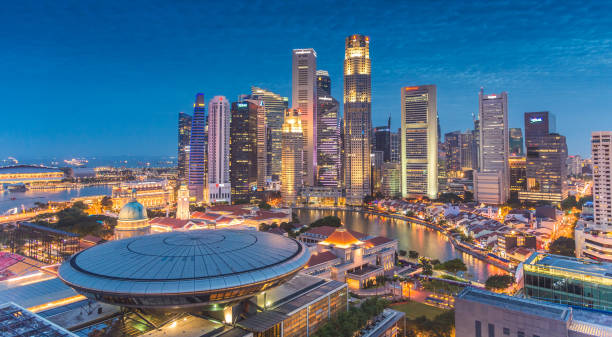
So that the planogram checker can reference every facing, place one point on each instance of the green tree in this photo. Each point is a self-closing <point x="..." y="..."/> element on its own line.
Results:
<point x="264" y="205"/>
<point x="452" y="266"/>
<point x="413" y="254"/>
<point x="563" y="246"/>
<point x="569" y="203"/>
<point x="468" y="196"/>
<point x="106" y="202"/>
<point x="79" y="204"/>
<point x="499" y="282"/>
<point x="331" y="220"/>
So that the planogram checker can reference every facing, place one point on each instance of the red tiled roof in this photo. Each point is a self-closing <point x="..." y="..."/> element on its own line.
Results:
<point x="377" y="241"/>
<point x="172" y="222"/>
<point x="322" y="257"/>
<point x="205" y="216"/>
<point x="234" y="209"/>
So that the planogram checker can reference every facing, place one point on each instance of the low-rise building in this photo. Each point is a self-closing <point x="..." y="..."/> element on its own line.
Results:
<point x="482" y="313"/>
<point x="592" y="242"/>
<point x="151" y="194"/>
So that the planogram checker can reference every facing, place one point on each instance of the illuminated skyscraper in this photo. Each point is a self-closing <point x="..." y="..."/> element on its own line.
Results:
<point x="357" y="117"/>
<point x="292" y="157"/>
<point x="546" y="170"/>
<point x="184" y="132"/>
<point x="243" y="150"/>
<point x="218" y="150"/>
<point x="382" y="140"/>
<point x="452" y="144"/>
<point x="419" y="141"/>
<point x="492" y="181"/>
<point x="275" y="106"/>
<point x="198" y="147"/>
<point x="328" y="133"/>
<point x="304" y="98"/>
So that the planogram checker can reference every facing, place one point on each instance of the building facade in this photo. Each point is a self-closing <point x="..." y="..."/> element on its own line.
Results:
<point x="601" y="150"/>
<point x="275" y="106"/>
<point x="493" y="149"/>
<point x="419" y="141"/>
<point x="518" y="176"/>
<point x="328" y="133"/>
<point x="292" y="157"/>
<point x="219" y="189"/>
<point x="357" y="117"/>
<point x="243" y="150"/>
<point x="452" y="144"/>
<point x="184" y="133"/>
<point x="182" y="203"/>
<point x="198" y="146"/>
<point x="304" y="98"/>
<point x="516" y="142"/>
<point x="381" y="140"/>
<point x="546" y="157"/>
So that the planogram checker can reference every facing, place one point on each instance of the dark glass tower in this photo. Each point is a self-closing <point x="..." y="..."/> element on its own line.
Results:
<point x="382" y="140"/>
<point x="184" y="133"/>
<point x="328" y="133"/>
<point x="516" y="142"/>
<point x="198" y="145"/>
<point x="243" y="150"/>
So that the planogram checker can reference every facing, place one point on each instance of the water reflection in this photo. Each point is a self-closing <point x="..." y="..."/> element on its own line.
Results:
<point x="10" y="200"/>
<point x="424" y="240"/>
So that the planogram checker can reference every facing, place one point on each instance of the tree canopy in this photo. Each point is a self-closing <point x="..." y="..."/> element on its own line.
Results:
<point x="452" y="266"/>
<point x="346" y="323"/>
<point x="330" y="220"/>
<point x="563" y="246"/>
<point x="499" y="282"/>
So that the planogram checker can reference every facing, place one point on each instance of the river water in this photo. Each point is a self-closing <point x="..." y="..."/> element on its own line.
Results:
<point x="29" y="197"/>
<point x="424" y="240"/>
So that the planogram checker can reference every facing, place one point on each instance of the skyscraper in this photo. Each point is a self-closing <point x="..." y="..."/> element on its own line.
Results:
<point x="182" y="203"/>
<point x="516" y="142"/>
<point x="243" y="150"/>
<point x="219" y="189"/>
<point x="546" y="170"/>
<point x="292" y="156"/>
<point x="491" y="182"/>
<point x="275" y="106"/>
<point x="184" y="132"/>
<point x="304" y="98"/>
<point x="452" y="145"/>
<point x="198" y="147"/>
<point x="394" y="141"/>
<point x="382" y="140"/>
<point x="357" y="117"/>
<point x="518" y="176"/>
<point x="328" y="133"/>
<point x="466" y="143"/>
<point x="601" y="149"/>
<point x="419" y="141"/>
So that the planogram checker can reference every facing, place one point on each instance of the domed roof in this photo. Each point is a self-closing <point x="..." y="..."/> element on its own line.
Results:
<point x="182" y="269"/>
<point x="133" y="211"/>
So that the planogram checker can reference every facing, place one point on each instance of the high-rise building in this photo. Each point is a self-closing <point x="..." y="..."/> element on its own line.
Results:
<point x="419" y="141"/>
<point x="381" y="140"/>
<point x="391" y="179"/>
<point x="491" y="182"/>
<point x="198" y="146"/>
<point x="219" y="189"/>
<point x="516" y="142"/>
<point x="182" y="203"/>
<point x="546" y="156"/>
<point x="452" y="145"/>
<point x="275" y="106"/>
<point x="184" y="132"/>
<point x="328" y="133"/>
<point x="466" y="144"/>
<point x="243" y="149"/>
<point x="357" y="117"/>
<point x="376" y="158"/>
<point x="574" y="165"/>
<point x="292" y="157"/>
<point x="601" y="149"/>
<point x="476" y="145"/>
<point x="304" y="98"/>
<point x="518" y="176"/>
<point x="394" y="148"/>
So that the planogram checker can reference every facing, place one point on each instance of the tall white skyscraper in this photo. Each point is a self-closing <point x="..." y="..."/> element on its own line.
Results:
<point x="419" y="142"/>
<point x="219" y="189"/>
<point x="492" y="181"/>
<point x="601" y="149"/>
<point x="304" y="98"/>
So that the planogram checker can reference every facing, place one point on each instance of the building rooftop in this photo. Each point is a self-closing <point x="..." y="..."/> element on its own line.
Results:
<point x="321" y="257"/>
<point x="184" y="263"/>
<point x="382" y="323"/>
<point x="582" y="266"/>
<point x="133" y="211"/>
<point x="528" y="306"/>
<point x="15" y="321"/>
<point x="31" y="295"/>
<point x="342" y="238"/>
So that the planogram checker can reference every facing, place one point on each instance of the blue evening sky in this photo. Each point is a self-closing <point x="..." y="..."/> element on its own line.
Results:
<point x="109" y="77"/>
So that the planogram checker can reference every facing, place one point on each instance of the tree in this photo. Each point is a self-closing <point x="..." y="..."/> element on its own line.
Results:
<point x="569" y="203"/>
<point x="368" y="199"/>
<point x="80" y="205"/>
<point x="106" y="202"/>
<point x="264" y="205"/>
<point x="468" y="196"/>
<point x="402" y="252"/>
<point x="413" y="254"/>
<point x="449" y="198"/>
<point x="499" y="282"/>
<point x="563" y="246"/>
<point x="427" y="267"/>
<point x="452" y="266"/>
<point x="331" y="220"/>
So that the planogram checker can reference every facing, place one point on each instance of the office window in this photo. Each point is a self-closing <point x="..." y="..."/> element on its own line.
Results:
<point x="491" y="330"/>
<point x="506" y="331"/>
<point x="479" y="329"/>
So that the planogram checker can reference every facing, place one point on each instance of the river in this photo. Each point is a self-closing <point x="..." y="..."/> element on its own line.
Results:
<point x="426" y="241"/>
<point x="29" y="197"/>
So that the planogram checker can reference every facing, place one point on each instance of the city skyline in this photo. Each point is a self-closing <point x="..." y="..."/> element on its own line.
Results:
<point x="93" y="81"/>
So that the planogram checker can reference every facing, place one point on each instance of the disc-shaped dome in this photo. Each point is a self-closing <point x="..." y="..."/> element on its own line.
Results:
<point x="133" y="211"/>
<point x="184" y="269"/>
